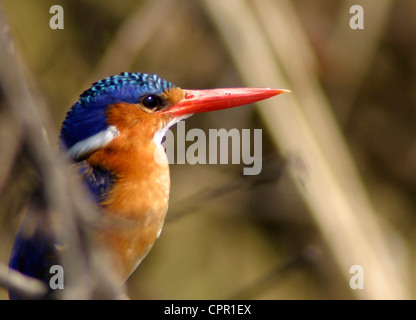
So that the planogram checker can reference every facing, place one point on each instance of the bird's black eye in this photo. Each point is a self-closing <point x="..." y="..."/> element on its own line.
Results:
<point x="151" y="102"/>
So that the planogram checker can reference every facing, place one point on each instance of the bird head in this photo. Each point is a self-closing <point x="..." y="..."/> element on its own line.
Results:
<point x="144" y="105"/>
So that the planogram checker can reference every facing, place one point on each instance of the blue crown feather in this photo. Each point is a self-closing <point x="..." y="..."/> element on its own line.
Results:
<point x="87" y="116"/>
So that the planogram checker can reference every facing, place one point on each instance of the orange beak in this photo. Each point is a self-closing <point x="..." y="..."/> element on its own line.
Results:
<point x="196" y="101"/>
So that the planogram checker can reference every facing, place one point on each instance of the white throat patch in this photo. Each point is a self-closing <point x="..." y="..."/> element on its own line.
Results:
<point x="157" y="138"/>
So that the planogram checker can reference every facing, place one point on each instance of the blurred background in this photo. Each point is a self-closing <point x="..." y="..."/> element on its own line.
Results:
<point x="338" y="183"/>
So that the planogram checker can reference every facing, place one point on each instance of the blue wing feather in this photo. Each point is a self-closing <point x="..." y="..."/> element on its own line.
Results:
<point x="35" y="249"/>
<point x="98" y="180"/>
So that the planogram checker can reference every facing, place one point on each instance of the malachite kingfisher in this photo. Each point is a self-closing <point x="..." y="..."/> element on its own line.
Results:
<point x="113" y="133"/>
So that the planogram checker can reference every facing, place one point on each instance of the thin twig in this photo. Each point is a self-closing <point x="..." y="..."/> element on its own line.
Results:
<point x="265" y="282"/>
<point x="273" y="168"/>
<point x="25" y="286"/>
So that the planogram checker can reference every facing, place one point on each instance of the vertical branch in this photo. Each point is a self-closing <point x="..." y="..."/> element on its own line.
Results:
<point x="72" y="215"/>
<point x="11" y="137"/>
<point x="307" y="134"/>
<point x="132" y="36"/>
<point x="344" y="41"/>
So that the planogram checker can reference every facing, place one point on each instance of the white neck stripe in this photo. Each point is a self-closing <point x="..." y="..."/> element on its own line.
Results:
<point x="94" y="142"/>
